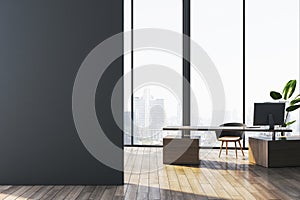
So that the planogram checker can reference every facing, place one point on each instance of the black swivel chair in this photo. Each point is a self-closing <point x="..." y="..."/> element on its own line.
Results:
<point x="230" y="136"/>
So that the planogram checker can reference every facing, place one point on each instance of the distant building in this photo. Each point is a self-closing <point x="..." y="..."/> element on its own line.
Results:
<point x="149" y="117"/>
<point x="127" y="127"/>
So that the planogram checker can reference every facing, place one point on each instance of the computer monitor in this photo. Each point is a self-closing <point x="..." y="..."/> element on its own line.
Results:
<point x="269" y="114"/>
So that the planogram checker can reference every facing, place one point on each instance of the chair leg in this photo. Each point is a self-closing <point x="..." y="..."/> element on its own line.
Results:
<point x="221" y="148"/>
<point x="226" y="148"/>
<point x="241" y="148"/>
<point x="235" y="150"/>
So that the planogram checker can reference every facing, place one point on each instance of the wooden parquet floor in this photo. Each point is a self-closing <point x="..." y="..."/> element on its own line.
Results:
<point x="147" y="178"/>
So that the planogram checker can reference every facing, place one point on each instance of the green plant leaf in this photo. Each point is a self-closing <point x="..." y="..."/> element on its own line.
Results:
<point x="295" y="101"/>
<point x="289" y="89"/>
<point x="292" y="108"/>
<point x="289" y="123"/>
<point x="275" y="95"/>
<point x="284" y="125"/>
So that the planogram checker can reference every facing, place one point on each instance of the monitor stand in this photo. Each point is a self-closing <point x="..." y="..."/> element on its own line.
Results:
<point x="271" y="125"/>
<point x="271" y="122"/>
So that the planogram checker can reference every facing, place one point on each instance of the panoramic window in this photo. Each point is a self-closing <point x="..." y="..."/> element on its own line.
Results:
<point x="248" y="73"/>
<point x="272" y="51"/>
<point x="154" y="105"/>
<point x="217" y="26"/>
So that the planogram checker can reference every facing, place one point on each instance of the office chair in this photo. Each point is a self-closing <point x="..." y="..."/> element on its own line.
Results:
<point x="230" y="136"/>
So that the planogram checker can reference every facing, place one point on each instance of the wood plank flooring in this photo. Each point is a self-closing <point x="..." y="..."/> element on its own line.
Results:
<point x="147" y="178"/>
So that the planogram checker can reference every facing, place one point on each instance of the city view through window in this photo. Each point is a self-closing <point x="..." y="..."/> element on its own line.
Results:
<point x="152" y="113"/>
<point x="217" y="26"/>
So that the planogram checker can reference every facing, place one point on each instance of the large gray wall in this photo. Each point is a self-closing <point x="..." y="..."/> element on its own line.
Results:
<point x="42" y="45"/>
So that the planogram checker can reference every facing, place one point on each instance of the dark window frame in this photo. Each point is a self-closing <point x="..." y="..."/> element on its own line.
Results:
<point x="186" y="69"/>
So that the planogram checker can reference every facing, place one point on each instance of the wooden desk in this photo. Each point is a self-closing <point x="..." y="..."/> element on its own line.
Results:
<point x="180" y="150"/>
<point x="275" y="153"/>
<point x="227" y="128"/>
<point x="185" y="150"/>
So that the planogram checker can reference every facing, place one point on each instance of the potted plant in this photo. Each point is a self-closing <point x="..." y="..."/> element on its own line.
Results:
<point x="287" y="94"/>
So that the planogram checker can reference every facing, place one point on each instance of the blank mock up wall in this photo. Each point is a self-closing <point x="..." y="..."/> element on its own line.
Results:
<point x="42" y="45"/>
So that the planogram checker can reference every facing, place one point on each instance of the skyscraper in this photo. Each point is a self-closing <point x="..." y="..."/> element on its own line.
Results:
<point x="149" y="118"/>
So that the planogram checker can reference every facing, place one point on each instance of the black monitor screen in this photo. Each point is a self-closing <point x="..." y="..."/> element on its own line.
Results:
<point x="263" y="110"/>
